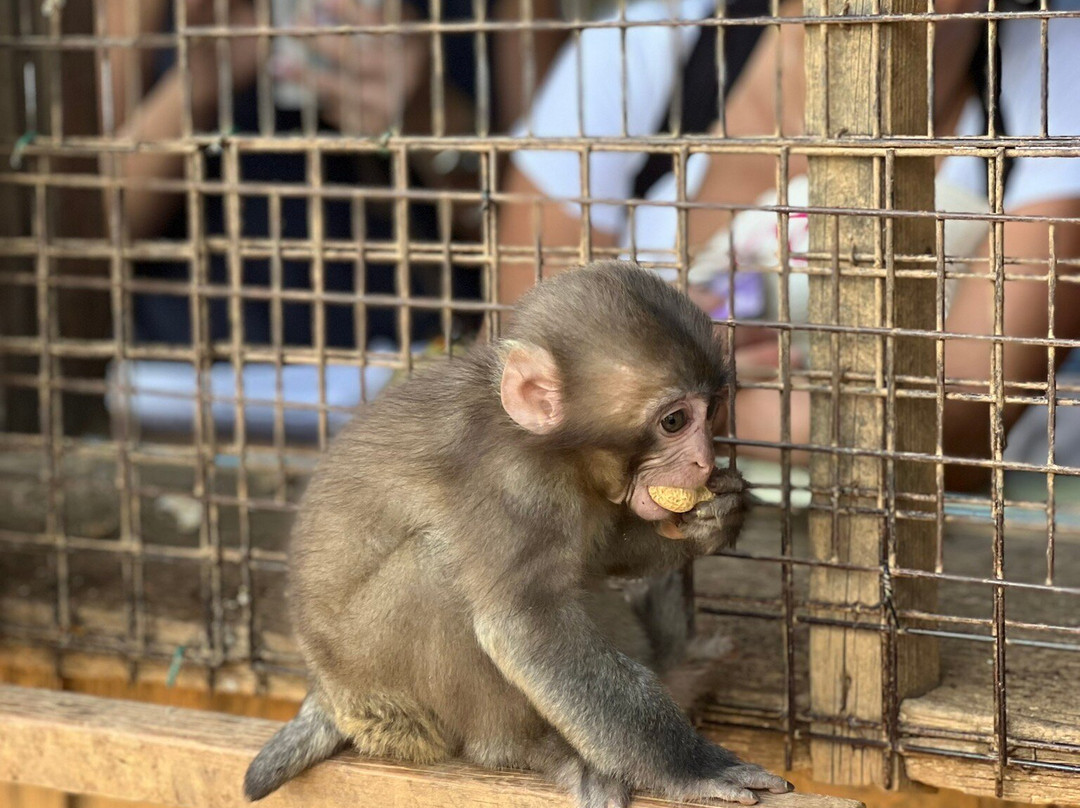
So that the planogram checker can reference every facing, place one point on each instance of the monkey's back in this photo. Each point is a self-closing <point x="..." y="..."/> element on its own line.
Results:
<point x="373" y="573"/>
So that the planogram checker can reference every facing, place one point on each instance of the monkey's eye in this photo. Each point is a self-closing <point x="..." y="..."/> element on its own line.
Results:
<point x="673" y="421"/>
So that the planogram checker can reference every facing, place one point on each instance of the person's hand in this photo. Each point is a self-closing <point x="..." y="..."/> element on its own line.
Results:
<point x="201" y="12"/>
<point x="203" y="54"/>
<point x="363" y="82"/>
<point x="762" y="353"/>
<point x="705" y="298"/>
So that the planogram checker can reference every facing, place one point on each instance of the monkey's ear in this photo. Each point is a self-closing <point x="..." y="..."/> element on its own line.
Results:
<point x="530" y="389"/>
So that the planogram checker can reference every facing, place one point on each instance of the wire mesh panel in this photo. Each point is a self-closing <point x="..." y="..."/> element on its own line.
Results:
<point x="226" y="223"/>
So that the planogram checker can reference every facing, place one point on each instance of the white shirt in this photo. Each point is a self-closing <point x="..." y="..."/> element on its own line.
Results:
<point x="654" y="56"/>
<point x="1033" y="179"/>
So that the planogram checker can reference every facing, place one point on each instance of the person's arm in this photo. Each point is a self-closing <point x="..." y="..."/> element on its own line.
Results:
<point x="509" y="54"/>
<point x="157" y="118"/>
<point x="751" y="112"/>
<point x="967" y="426"/>
<point x="520" y="227"/>
<point x="153" y="116"/>
<point x="129" y="68"/>
<point x="159" y="115"/>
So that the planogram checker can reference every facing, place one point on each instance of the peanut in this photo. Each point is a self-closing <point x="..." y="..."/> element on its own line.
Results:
<point x="679" y="500"/>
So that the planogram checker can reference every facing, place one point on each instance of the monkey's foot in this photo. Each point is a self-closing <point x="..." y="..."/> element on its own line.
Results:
<point x="589" y="788"/>
<point x="597" y="791"/>
<point x="381" y="725"/>
<point x="697" y="675"/>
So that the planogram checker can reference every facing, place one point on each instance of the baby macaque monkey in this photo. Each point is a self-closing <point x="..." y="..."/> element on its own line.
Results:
<point x="450" y="560"/>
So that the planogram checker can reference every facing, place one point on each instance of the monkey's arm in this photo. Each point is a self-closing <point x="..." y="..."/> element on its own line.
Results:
<point x="636" y="550"/>
<point x="612" y="710"/>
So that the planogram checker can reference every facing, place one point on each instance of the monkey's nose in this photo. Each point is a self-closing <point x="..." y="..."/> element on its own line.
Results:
<point x="705" y="456"/>
<point x="703" y="469"/>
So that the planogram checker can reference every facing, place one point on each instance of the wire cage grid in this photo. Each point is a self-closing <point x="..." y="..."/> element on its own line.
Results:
<point x="133" y="541"/>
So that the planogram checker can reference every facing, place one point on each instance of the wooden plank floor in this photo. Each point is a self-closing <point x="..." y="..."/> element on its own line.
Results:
<point x="173" y="756"/>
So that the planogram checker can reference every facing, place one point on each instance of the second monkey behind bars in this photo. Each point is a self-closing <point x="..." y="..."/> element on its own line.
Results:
<point x="450" y="561"/>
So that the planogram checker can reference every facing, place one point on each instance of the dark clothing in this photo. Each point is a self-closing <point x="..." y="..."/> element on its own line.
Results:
<point x="699" y="105"/>
<point x="166" y="318"/>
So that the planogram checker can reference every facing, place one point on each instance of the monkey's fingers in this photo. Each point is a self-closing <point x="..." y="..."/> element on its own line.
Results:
<point x="720" y="790"/>
<point x="753" y="776"/>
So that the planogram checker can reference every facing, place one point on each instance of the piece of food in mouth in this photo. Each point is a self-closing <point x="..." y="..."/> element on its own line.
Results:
<point x="679" y="500"/>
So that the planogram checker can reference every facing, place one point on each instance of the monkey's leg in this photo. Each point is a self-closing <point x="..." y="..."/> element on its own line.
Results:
<point x="618" y="621"/>
<point x="698" y="674"/>
<point x="687" y="663"/>
<point x="394" y="726"/>
<point x="658" y="604"/>
<point x="594" y="790"/>
<point x="553" y="757"/>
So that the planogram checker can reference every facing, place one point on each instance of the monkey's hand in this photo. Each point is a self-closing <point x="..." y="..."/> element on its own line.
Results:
<point x="715" y="525"/>
<point x="611" y="709"/>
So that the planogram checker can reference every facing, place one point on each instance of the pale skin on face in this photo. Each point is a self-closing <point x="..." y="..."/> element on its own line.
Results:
<point x="684" y="457"/>
<point x="683" y="453"/>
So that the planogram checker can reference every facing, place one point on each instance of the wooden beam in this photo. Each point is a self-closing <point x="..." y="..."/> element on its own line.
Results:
<point x="865" y="81"/>
<point x="1041" y="787"/>
<point x="171" y="756"/>
<point x="958" y="717"/>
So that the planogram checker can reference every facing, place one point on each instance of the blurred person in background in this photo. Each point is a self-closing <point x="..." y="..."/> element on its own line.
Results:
<point x="366" y="85"/>
<point x="658" y="64"/>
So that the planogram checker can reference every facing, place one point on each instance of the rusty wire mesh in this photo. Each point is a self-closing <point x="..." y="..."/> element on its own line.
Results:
<point x="144" y="507"/>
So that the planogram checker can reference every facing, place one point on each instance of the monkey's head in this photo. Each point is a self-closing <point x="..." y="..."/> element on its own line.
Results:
<point x="610" y="362"/>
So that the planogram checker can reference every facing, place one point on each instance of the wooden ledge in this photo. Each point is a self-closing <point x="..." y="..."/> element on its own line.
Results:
<point x="172" y="756"/>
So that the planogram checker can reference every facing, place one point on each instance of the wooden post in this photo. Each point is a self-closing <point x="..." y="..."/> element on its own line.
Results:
<point x="867" y="80"/>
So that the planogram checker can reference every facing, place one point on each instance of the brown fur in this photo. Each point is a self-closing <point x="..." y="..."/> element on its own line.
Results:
<point x="450" y="560"/>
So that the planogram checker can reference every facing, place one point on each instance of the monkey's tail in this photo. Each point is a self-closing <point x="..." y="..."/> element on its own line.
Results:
<point x="309" y="738"/>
